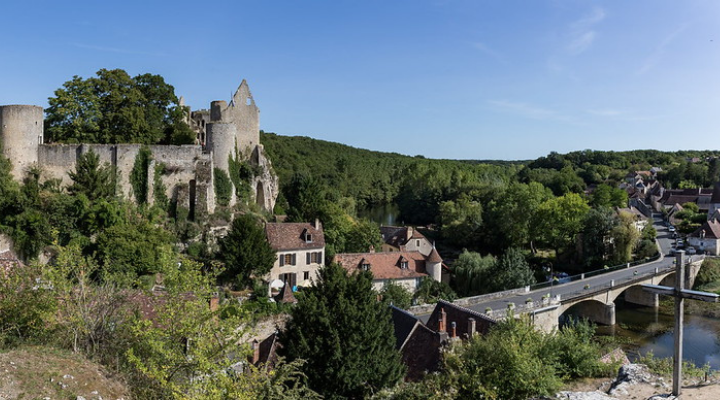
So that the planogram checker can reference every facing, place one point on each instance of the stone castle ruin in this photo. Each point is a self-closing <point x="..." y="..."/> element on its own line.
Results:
<point x="227" y="133"/>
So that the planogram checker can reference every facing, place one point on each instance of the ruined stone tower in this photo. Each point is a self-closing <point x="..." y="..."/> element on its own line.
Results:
<point x="185" y="172"/>
<point x="21" y="132"/>
<point x="234" y="131"/>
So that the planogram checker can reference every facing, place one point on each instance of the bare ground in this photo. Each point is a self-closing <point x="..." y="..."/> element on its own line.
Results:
<point x="38" y="372"/>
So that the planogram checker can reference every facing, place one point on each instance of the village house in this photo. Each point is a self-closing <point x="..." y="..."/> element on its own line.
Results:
<point x="406" y="268"/>
<point x="300" y="248"/>
<point x="421" y="344"/>
<point x="640" y="221"/>
<point x="404" y="238"/>
<point x="706" y="238"/>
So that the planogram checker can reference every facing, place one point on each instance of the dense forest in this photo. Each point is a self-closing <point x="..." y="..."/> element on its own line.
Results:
<point x="558" y="209"/>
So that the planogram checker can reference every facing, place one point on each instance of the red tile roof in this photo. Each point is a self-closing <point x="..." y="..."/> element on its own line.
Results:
<point x="434" y="256"/>
<point x="292" y="236"/>
<point x="397" y="236"/>
<point x="385" y="265"/>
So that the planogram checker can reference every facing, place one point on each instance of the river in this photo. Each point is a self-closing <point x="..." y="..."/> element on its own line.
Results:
<point x="651" y="330"/>
<point x="386" y="214"/>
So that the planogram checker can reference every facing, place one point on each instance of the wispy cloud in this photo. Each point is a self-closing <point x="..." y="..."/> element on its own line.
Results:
<point x="117" y="50"/>
<point x="621" y="115"/>
<point x="482" y="47"/>
<point x="582" y="33"/>
<point x="529" y="110"/>
<point x="657" y="55"/>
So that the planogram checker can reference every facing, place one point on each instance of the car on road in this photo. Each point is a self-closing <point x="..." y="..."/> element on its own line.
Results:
<point x="672" y="251"/>
<point x="671" y="228"/>
<point x="691" y="251"/>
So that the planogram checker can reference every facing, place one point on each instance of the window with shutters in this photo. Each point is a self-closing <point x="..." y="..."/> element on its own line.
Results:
<point x="288" y="259"/>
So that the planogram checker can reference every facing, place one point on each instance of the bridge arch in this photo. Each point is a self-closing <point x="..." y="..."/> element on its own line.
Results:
<point x="591" y="309"/>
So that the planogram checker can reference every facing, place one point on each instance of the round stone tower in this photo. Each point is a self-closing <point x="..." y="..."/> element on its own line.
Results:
<point x="221" y="138"/>
<point x="433" y="265"/>
<point x="21" y="132"/>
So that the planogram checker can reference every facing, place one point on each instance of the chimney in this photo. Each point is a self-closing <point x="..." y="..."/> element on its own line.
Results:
<point x="454" y="330"/>
<point x="255" y="347"/>
<point x="317" y="224"/>
<point x="471" y="327"/>
<point x="372" y="249"/>
<point x="409" y="233"/>
<point x="214" y="302"/>
<point x="443" y="317"/>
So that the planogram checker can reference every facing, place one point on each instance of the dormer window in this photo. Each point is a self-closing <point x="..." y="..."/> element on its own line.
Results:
<point x="307" y="236"/>
<point x="365" y="265"/>
<point x="403" y="263"/>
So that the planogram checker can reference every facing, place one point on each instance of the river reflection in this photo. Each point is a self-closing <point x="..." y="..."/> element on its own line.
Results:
<point x="385" y="214"/>
<point x="650" y="330"/>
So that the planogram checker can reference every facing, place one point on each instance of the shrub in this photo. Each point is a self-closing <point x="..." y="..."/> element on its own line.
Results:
<point x="223" y="187"/>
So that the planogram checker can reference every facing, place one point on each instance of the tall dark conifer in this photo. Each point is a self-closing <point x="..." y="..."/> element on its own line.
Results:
<point x="345" y="334"/>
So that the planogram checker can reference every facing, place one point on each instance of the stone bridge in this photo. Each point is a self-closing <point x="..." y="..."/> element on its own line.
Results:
<point x="597" y="302"/>
<point x="591" y="297"/>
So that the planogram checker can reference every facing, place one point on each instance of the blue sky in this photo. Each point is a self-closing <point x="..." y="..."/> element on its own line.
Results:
<point x="464" y="79"/>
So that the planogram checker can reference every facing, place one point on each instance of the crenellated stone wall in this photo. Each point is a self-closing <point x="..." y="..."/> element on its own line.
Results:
<point x="186" y="172"/>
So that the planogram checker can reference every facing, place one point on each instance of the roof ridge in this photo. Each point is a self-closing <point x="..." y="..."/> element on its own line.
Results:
<point x="465" y="309"/>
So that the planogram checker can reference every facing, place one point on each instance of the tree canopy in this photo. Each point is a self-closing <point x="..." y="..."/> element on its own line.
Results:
<point x="114" y="107"/>
<point x="345" y="334"/>
<point x="245" y="250"/>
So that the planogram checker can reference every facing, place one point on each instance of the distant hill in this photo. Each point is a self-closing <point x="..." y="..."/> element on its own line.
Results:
<point x="370" y="177"/>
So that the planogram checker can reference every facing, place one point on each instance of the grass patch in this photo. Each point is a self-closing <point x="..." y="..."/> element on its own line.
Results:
<point x="40" y="371"/>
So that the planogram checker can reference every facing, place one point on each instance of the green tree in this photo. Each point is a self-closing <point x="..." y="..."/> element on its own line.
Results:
<point x="597" y="229"/>
<point x="625" y="237"/>
<point x="512" y="362"/>
<point x="116" y="108"/>
<point x="397" y="295"/>
<point x="345" y="335"/>
<point x="511" y="270"/>
<point x="133" y="245"/>
<point x="187" y="350"/>
<point x="461" y="220"/>
<point x="246" y="250"/>
<point x="430" y="291"/>
<point x="608" y="196"/>
<point x="92" y="179"/>
<point x="512" y="214"/>
<point x="362" y="235"/>
<point x="27" y="310"/>
<point x="472" y="273"/>
<point x="559" y="220"/>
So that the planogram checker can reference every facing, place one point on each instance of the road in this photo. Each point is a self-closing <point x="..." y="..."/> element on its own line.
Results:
<point x="582" y="287"/>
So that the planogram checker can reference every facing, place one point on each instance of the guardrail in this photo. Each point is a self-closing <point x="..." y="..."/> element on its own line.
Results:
<point x="589" y="291"/>
<point x="596" y="272"/>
